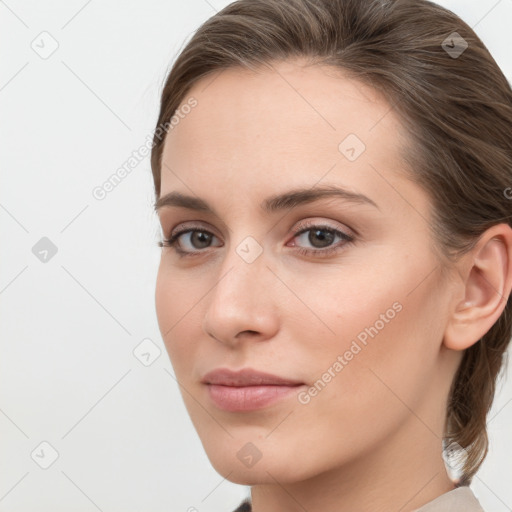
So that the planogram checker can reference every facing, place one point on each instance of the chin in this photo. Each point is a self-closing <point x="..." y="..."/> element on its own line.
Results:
<point x="246" y="464"/>
<point x="261" y="473"/>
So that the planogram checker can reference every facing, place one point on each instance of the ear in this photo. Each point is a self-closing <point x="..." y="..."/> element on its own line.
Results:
<point x="487" y="282"/>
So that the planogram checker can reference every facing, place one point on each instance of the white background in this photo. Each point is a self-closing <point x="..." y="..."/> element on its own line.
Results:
<point x="69" y="326"/>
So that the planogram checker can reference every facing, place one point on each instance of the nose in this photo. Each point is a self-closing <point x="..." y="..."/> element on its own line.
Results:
<point x="242" y="303"/>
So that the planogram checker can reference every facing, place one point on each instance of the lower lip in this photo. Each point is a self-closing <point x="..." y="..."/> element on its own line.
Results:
<point x="248" y="398"/>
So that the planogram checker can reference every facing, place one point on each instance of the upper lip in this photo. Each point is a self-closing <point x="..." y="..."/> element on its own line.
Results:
<point x="246" y="377"/>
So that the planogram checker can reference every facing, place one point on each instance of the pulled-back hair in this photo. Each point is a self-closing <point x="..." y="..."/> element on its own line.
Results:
<point x="453" y="101"/>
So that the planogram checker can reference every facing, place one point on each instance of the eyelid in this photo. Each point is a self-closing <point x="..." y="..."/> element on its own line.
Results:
<point x="199" y="225"/>
<point x="314" y="222"/>
<point x="302" y="226"/>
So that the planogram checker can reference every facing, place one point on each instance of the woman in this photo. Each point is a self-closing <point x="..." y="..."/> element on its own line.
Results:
<point x="332" y="179"/>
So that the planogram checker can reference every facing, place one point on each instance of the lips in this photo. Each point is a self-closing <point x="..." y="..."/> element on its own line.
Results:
<point x="247" y="389"/>
<point x="246" y="377"/>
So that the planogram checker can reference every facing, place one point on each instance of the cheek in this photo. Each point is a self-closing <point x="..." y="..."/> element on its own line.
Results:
<point x="385" y="324"/>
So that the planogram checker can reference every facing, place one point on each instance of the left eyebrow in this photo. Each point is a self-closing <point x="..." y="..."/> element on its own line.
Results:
<point x="279" y="202"/>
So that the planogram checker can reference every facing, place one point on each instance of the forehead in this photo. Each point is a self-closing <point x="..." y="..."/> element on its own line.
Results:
<point x="280" y="123"/>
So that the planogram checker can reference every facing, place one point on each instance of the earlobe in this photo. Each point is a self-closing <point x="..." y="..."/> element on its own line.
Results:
<point x="487" y="287"/>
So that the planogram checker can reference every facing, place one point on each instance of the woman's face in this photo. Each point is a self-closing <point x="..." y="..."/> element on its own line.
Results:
<point x="356" y="322"/>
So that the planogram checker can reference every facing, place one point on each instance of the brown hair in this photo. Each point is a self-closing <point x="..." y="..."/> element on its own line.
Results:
<point x="456" y="108"/>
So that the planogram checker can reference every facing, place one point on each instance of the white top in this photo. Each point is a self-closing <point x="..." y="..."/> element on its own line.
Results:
<point x="460" y="499"/>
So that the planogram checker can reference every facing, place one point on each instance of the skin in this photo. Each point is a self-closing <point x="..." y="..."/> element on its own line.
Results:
<point x="370" y="440"/>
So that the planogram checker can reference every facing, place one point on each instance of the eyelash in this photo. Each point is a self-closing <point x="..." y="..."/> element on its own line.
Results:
<point x="171" y="242"/>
